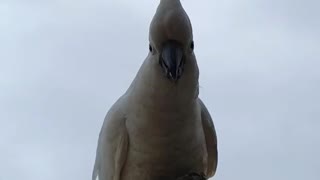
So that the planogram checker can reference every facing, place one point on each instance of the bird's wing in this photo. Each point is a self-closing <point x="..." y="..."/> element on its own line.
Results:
<point x="211" y="140"/>
<point x="112" y="146"/>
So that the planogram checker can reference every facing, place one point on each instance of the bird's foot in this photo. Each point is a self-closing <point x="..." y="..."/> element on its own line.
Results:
<point x="192" y="176"/>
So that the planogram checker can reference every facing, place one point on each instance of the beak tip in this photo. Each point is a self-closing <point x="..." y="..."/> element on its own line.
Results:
<point x="173" y="78"/>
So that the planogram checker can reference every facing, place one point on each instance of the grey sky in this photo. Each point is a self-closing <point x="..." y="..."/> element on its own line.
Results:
<point x="63" y="63"/>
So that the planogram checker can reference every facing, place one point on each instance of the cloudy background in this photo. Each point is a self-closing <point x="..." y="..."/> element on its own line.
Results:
<point x="64" y="62"/>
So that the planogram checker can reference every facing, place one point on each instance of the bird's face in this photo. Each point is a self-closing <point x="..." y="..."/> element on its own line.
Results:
<point x="171" y="40"/>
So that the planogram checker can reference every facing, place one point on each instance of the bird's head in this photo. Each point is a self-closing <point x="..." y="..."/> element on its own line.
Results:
<point x="171" y="39"/>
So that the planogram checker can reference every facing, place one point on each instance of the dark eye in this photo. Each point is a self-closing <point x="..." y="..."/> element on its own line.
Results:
<point x="150" y="48"/>
<point x="192" y="45"/>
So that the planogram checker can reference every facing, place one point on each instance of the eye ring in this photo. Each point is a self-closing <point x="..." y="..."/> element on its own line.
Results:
<point x="150" y="48"/>
<point x="192" y="45"/>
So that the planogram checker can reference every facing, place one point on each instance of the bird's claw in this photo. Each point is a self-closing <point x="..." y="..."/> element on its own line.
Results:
<point x="192" y="176"/>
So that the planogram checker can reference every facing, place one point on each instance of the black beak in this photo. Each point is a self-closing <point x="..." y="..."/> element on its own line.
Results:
<point x="171" y="60"/>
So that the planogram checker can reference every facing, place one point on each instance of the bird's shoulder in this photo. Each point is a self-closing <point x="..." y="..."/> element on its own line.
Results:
<point x="115" y="116"/>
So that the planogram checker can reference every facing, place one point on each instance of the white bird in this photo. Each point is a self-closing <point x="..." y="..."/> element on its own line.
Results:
<point x="159" y="129"/>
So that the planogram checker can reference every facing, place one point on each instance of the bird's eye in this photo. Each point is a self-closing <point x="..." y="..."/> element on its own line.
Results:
<point x="192" y="45"/>
<point x="150" y="48"/>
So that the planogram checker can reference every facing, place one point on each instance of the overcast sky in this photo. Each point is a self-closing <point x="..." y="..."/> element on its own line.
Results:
<point x="63" y="63"/>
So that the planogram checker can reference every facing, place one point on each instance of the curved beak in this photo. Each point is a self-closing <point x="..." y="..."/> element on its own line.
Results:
<point x="171" y="60"/>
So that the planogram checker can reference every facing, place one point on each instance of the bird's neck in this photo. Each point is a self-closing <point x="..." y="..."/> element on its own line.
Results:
<point x="151" y="88"/>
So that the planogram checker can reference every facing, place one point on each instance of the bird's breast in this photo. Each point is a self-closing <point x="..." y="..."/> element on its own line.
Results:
<point x="164" y="143"/>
